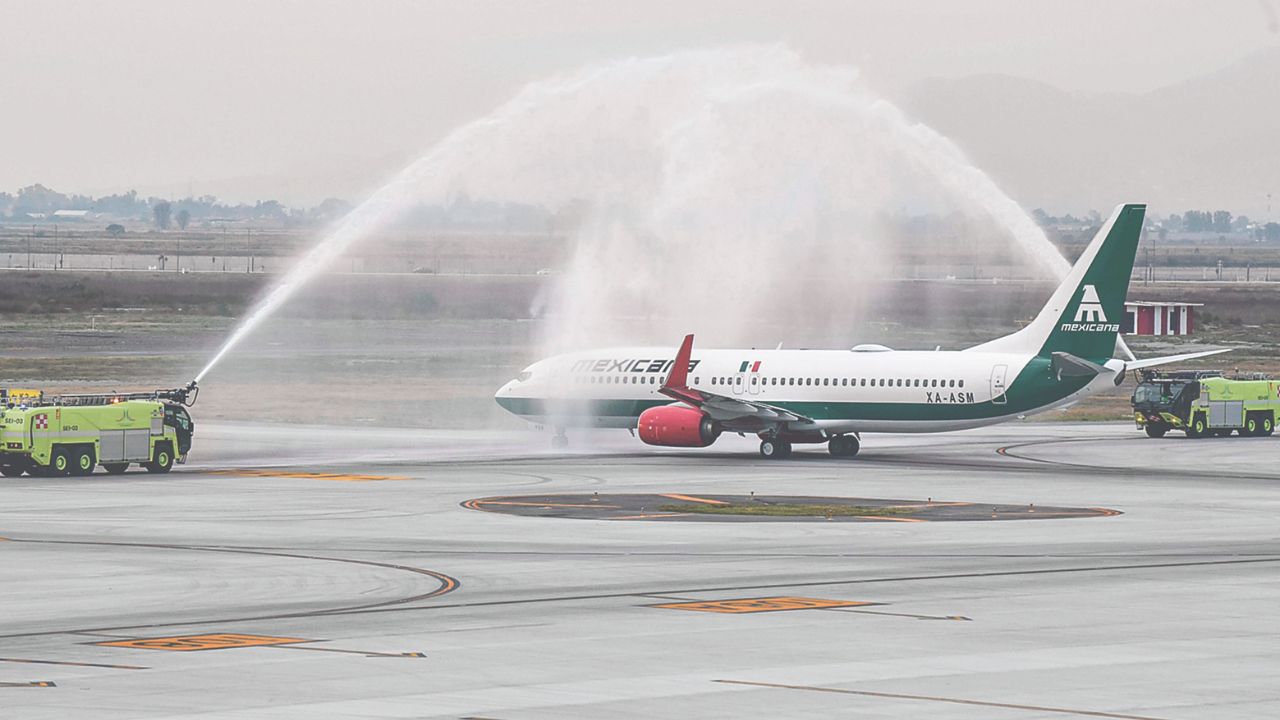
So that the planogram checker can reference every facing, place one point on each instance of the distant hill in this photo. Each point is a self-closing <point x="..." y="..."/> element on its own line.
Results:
<point x="1210" y="142"/>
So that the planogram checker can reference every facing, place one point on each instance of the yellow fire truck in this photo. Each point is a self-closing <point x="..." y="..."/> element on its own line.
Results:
<point x="73" y="434"/>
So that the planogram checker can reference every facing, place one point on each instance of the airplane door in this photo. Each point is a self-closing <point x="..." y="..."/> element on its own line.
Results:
<point x="752" y="383"/>
<point x="739" y="383"/>
<point x="997" y="385"/>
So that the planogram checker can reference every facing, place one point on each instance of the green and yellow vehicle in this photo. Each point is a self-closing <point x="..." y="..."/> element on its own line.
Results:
<point x="1205" y="404"/>
<point x="73" y="434"/>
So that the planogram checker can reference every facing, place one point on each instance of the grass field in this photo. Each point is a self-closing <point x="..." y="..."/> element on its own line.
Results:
<point x="427" y="350"/>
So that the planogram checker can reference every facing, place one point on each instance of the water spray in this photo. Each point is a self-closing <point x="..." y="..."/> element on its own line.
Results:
<point x="720" y="185"/>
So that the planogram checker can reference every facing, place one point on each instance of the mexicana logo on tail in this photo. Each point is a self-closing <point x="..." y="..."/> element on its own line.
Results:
<point x="1090" y="317"/>
<point x="1090" y="309"/>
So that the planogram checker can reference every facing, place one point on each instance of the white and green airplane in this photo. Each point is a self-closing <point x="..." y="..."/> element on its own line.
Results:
<point x="688" y="397"/>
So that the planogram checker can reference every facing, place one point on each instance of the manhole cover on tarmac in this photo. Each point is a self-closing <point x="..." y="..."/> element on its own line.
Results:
<point x="773" y="508"/>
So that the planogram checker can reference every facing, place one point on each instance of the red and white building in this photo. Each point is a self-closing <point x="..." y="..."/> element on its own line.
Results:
<point x="1158" y="318"/>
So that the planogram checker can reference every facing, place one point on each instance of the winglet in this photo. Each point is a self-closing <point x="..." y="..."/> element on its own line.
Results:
<point x="678" y="378"/>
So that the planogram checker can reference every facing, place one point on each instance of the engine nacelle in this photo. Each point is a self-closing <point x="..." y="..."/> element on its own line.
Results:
<point x="677" y="426"/>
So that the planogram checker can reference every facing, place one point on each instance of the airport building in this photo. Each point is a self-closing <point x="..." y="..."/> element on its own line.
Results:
<point x="1158" y="318"/>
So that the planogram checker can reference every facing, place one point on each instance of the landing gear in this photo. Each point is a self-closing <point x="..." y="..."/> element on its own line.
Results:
<point x="560" y="441"/>
<point x="774" y="449"/>
<point x="843" y="446"/>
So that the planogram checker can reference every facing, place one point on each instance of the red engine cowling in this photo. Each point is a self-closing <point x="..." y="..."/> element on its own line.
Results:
<point x="677" y="426"/>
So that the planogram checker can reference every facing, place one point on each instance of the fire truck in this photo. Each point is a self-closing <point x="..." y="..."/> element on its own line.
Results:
<point x="73" y="434"/>
<point x="1206" y="404"/>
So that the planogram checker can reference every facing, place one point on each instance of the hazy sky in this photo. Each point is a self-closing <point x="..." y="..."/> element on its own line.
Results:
<point x="302" y="100"/>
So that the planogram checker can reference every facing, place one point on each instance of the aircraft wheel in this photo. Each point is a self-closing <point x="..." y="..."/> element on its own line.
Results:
<point x="843" y="446"/>
<point x="1156" y="431"/>
<point x="775" y="449"/>
<point x="560" y="442"/>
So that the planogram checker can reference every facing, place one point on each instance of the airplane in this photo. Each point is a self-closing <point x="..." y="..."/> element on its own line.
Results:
<point x="787" y="397"/>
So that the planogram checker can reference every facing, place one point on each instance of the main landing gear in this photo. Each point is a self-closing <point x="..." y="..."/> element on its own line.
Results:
<point x="560" y="441"/>
<point x="774" y="449"/>
<point x="843" y="446"/>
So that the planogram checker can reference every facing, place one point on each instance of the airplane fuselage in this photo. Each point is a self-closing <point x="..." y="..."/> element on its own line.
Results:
<point x="841" y="391"/>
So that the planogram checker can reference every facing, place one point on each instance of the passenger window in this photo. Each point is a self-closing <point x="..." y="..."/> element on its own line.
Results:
<point x="844" y="382"/>
<point x="753" y="381"/>
<point x="953" y="383"/>
<point x="738" y="381"/>
<point x="962" y="383"/>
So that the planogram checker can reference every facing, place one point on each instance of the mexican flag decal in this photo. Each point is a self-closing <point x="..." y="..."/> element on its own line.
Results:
<point x="748" y="365"/>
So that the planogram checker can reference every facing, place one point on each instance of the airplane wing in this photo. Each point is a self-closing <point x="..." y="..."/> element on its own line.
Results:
<point x="1152" y="362"/>
<point x="719" y="407"/>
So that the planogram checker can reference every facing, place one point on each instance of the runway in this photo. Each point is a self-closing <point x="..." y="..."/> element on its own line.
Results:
<point x="294" y="571"/>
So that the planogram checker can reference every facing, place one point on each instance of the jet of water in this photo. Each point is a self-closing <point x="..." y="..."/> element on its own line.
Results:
<point x="720" y="187"/>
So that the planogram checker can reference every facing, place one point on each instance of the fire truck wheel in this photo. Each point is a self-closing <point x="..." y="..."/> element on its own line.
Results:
<point x="1156" y="431"/>
<point x="60" y="462"/>
<point x="11" y="470"/>
<point x="1199" y="426"/>
<point x="1268" y="425"/>
<point x="83" y="462"/>
<point x="162" y="461"/>
<point x="115" y="468"/>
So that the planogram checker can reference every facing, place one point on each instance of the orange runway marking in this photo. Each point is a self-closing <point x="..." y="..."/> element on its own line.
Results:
<point x="339" y="477"/>
<point x="763" y="604"/>
<point x="537" y="504"/>
<point x="691" y="498"/>
<point x="189" y="643"/>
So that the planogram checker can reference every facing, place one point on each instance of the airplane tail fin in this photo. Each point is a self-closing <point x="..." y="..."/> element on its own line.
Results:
<point x="1082" y="318"/>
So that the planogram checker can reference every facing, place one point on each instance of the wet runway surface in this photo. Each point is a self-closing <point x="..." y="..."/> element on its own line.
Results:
<point x="332" y="572"/>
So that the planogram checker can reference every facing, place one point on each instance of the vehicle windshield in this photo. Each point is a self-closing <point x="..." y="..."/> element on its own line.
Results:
<point x="1157" y="392"/>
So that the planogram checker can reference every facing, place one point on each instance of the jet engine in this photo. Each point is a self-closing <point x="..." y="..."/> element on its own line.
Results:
<point x="677" y="426"/>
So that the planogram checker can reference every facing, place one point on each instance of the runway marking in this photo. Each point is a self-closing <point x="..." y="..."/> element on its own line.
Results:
<point x="690" y="498"/>
<point x="337" y="477"/>
<point x="366" y="653"/>
<point x="38" y="683"/>
<point x="27" y="661"/>
<point x="892" y="519"/>
<point x="646" y="516"/>
<point x="764" y="604"/>
<point x="906" y="615"/>
<point x="934" y="698"/>
<point x="190" y="643"/>
<point x="546" y="504"/>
